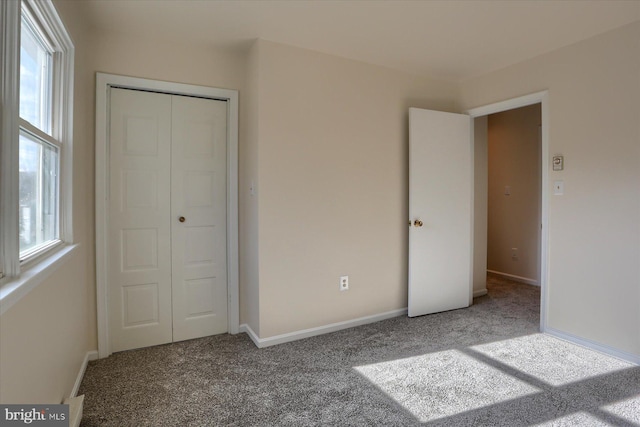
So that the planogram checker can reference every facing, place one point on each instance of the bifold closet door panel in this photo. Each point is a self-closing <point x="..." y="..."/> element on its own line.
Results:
<point x="139" y="222"/>
<point x="199" y="217"/>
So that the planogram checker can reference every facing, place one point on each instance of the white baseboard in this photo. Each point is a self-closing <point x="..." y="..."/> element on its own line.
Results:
<point x="592" y="345"/>
<point x="479" y="292"/>
<point x="76" y="405"/>
<point x="91" y="355"/>
<point x="312" y="332"/>
<point x="247" y="330"/>
<point x="513" y="277"/>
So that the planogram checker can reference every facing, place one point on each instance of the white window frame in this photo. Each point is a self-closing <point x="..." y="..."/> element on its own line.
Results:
<point x="18" y="278"/>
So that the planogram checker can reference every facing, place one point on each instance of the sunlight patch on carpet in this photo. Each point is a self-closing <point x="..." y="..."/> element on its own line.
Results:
<point x="438" y="385"/>
<point x="579" y="419"/>
<point x="628" y="409"/>
<point x="549" y="359"/>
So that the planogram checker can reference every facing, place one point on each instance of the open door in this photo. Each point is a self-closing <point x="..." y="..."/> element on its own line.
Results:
<point x="440" y="211"/>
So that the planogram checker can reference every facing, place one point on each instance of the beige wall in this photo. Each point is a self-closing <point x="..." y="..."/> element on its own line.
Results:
<point x="480" y="209"/>
<point x="249" y="243"/>
<point x="594" y="231"/>
<point x="192" y="64"/>
<point x="333" y="185"/>
<point x="45" y="336"/>
<point x="514" y="220"/>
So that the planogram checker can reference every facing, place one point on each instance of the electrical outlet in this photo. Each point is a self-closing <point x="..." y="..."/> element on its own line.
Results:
<point x="344" y="283"/>
<point x="514" y="253"/>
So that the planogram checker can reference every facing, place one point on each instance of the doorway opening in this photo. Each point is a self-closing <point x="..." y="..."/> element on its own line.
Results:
<point x="510" y="202"/>
<point x="513" y="184"/>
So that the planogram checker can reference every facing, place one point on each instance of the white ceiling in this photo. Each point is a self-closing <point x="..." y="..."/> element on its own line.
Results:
<point x="447" y="39"/>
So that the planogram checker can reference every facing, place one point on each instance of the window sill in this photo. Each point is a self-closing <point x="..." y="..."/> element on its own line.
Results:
<point x="15" y="288"/>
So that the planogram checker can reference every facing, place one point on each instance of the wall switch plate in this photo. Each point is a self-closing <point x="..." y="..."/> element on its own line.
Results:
<point x="344" y="283"/>
<point x="507" y="190"/>
<point x="558" y="188"/>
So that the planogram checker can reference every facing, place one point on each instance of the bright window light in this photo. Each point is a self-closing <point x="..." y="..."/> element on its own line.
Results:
<point x="577" y="419"/>
<point x="549" y="359"/>
<point x="38" y="211"/>
<point x="438" y="385"/>
<point x="35" y="77"/>
<point x="628" y="409"/>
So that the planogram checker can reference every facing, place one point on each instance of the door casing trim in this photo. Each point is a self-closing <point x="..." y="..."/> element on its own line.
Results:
<point x="103" y="84"/>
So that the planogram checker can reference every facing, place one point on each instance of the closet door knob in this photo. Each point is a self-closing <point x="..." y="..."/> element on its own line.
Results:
<point x="182" y="219"/>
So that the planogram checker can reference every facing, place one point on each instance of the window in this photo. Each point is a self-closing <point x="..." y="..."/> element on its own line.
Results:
<point x="35" y="174"/>
<point x="38" y="150"/>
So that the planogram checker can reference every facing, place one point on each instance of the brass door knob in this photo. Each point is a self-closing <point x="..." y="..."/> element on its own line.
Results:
<point x="182" y="219"/>
<point x="418" y="223"/>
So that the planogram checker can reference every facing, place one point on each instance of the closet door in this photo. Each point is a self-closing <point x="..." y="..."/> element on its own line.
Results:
<point x="199" y="217"/>
<point x="139" y="232"/>
<point x="168" y="218"/>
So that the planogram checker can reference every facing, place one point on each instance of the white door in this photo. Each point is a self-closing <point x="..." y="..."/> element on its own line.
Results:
<point x="140" y="234"/>
<point x="199" y="217"/>
<point x="167" y="159"/>
<point x="440" y="203"/>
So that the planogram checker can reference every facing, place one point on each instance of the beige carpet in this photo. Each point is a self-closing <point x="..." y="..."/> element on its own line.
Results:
<point x="485" y="366"/>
